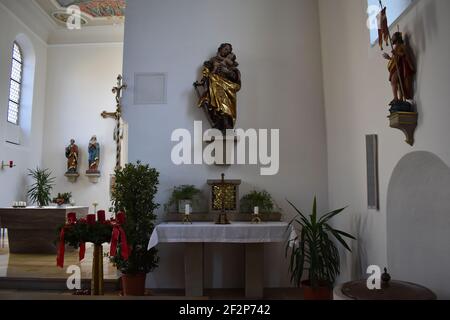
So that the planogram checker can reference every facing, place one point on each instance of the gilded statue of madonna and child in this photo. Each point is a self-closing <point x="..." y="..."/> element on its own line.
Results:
<point x="220" y="83"/>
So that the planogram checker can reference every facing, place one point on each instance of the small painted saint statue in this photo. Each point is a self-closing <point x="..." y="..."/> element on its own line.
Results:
<point x="401" y="74"/>
<point x="94" y="156"/>
<point x="72" y="156"/>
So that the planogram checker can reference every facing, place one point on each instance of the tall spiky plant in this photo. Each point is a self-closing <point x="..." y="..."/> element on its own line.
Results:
<point x="40" y="190"/>
<point x="314" y="251"/>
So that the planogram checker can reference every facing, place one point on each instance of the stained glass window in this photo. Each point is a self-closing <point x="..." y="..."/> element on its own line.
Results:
<point x="15" y="85"/>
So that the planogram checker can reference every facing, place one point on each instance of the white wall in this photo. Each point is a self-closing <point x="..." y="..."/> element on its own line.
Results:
<point x="417" y="219"/>
<point x="278" y="47"/>
<point x="79" y="83"/>
<point x="28" y="155"/>
<point x="356" y="94"/>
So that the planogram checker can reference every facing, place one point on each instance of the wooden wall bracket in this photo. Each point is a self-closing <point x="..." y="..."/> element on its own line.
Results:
<point x="406" y="122"/>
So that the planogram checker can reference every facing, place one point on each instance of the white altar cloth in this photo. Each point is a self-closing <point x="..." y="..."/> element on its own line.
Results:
<point x="208" y="232"/>
<point x="194" y="236"/>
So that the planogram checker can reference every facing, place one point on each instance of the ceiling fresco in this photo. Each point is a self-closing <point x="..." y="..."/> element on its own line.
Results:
<point x="97" y="8"/>
<point x="93" y="12"/>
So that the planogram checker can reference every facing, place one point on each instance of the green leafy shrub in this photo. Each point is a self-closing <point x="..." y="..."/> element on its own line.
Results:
<point x="134" y="193"/>
<point x="261" y="199"/>
<point x="183" y="192"/>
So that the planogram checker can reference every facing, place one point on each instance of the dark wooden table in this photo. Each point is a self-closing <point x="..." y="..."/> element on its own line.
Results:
<point x="33" y="230"/>
<point x="394" y="290"/>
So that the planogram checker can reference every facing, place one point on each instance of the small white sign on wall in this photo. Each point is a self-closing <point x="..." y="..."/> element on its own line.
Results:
<point x="150" y="88"/>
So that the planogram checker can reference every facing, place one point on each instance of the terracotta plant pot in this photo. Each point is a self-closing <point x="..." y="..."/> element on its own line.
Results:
<point x="133" y="284"/>
<point x="323" y="292"/>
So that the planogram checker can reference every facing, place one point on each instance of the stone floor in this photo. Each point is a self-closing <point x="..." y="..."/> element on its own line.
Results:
<point x="32" y="277"/>
<point x="211" y="294"/>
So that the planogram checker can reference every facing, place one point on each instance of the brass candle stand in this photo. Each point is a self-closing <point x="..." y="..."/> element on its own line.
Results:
<point x="187" y="219"/>
<point x="256" y="218"/>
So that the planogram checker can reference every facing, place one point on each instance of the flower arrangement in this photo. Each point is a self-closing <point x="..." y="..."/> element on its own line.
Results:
<point x="62" y="198"/>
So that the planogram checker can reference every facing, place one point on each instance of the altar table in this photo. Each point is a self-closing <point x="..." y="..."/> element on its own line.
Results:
<point x="33" y="230"/>
<point x="194" y="235"/>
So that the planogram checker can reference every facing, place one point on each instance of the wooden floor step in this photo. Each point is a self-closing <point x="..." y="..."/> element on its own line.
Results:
<point x="43" y="284"/>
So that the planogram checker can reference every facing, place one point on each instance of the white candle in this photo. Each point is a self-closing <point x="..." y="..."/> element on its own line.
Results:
<point x="256" y="211"/>
<point x="187" y="210"/>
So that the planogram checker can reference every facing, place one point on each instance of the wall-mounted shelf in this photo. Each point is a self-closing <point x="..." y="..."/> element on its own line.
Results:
<point x="72" y="177"/>
<point x="93" y="177"/>
<point x="406" y="122"/>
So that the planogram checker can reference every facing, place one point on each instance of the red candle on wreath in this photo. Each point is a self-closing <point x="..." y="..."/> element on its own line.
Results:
<point x="91" y="218"/>
<point x="101" y="216"/>
<point x="120" y="217"/>
<point x="71" y="217"/>
<point x="11" y="164"/>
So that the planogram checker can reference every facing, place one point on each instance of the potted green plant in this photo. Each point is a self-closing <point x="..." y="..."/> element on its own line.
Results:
<point x="182" y="196"/>
<point x="134" y="193"/>
<point x="261" y="199"/>
<point x="313" y="252"/>
<point x="39" y="192"/>
<point x="62" y="198"/>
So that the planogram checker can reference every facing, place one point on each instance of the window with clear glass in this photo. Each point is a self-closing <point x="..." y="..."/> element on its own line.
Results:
<point x="15" y="86"/>
<point x="394" y="9"/>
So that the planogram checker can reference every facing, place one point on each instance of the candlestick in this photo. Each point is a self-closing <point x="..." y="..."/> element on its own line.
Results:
<point x="71" y="217"/>
<point x="19" y="204"/>
<point x="91" y="218"/>
<point x="101" y="216"/>
<point x="95" y="204"/>
<point x="256" y="217"/>
<point x="187" y="213"/>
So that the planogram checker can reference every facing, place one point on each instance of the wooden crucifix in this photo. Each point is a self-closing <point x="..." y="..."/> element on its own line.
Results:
<point x="117" y="115"/>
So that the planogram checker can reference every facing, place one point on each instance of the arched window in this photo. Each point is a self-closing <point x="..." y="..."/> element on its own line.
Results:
<point x="15" y="86"/>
